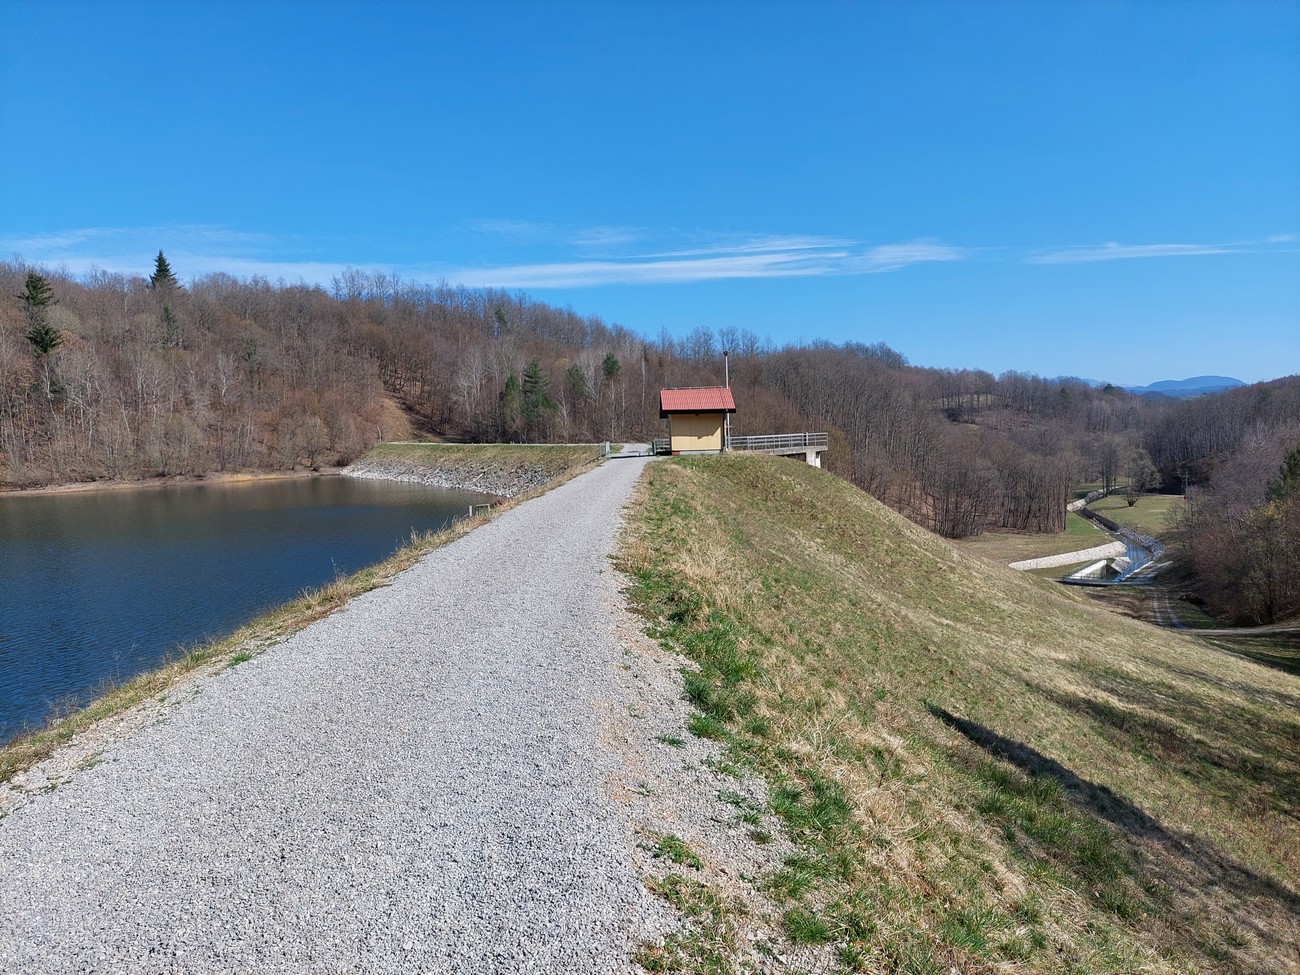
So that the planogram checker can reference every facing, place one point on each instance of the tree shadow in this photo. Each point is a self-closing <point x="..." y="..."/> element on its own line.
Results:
<point x="1256" y="756"/>
<point x="1190" y="867"/>
<point x="1250" y="690"/>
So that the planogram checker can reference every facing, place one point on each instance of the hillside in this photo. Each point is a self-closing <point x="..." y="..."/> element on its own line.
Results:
<point x="980" y="773"/>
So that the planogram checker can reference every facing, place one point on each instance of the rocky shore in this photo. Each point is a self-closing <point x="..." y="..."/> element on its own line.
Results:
<point x="484" y="480"/>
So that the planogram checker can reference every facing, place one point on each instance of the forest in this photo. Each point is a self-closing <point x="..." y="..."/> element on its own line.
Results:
<point x="115" y="376"/>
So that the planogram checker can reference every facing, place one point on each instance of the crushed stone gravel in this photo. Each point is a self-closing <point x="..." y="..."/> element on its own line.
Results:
<point x="444" y="776"/>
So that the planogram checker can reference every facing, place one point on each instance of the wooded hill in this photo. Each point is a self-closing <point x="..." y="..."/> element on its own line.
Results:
<point x="117" y="376"/>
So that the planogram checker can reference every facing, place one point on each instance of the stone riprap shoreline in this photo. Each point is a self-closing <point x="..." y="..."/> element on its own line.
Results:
<point x="459" y="477"/>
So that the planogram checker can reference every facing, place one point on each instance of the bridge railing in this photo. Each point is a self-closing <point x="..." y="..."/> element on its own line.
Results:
<point x="780" y="441"/>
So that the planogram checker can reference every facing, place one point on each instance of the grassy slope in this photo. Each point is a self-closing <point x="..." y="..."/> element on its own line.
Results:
<point x="559" y="464"/>
<point x="982" y="774"/>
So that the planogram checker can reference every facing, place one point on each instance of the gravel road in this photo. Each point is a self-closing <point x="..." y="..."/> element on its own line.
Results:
<point x="418" y="783"/>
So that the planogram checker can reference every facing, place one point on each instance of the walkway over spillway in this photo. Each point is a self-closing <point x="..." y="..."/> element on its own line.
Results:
<point x="811" y="445"/>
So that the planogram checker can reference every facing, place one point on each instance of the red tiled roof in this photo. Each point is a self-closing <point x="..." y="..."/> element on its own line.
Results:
<point x="701" y="399"/>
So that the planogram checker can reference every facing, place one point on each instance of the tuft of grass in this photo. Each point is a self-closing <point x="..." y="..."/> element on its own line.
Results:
<point x="672" y="741"/>
<point x="708" y="942"/>
<point x="977" y="773"/>
<point x="803" y="927"/>
<point x="676" y="850"/>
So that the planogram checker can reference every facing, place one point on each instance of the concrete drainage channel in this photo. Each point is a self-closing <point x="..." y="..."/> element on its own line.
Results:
<point x="1132" y="558"/>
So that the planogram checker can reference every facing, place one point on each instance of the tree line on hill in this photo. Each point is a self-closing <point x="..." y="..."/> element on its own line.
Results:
<point x="111" y="375"/>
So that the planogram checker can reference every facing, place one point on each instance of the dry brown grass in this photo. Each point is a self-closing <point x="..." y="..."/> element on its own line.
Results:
<point x="983" y="774"/>
<point x="28" y="749"/>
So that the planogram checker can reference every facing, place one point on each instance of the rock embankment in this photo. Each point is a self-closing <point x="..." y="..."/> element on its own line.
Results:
<point x="485" y="478"/>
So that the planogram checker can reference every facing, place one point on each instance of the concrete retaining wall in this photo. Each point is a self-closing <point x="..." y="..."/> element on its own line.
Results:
<point x="1069" y="558"/>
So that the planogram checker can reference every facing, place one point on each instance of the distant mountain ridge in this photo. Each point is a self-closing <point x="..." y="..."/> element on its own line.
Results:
<point x="1177" y="388"/>
<point x="1185" y="388"/>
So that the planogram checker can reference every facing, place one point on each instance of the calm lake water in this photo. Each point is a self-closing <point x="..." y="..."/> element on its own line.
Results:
<point x="97" y="587"/>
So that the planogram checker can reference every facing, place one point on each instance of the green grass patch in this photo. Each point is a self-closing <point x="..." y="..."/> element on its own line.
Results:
<point x="1150" y="515"/>
<point x="977" y="773"/>
<point x="708" y="942"/>
<point x="676" y="850"/>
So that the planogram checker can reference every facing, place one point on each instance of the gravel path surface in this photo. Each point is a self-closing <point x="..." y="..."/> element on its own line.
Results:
<point x="419" y="783"/>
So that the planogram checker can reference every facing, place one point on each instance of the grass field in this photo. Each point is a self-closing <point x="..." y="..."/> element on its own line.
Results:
<point x="1149" y="516"/>
<point x="1008" y="547"/>
<point x="979" y="775"/>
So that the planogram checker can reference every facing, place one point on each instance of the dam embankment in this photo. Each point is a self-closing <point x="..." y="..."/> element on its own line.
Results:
<point x="504" y="470"/>
<point x="354" y="799"/>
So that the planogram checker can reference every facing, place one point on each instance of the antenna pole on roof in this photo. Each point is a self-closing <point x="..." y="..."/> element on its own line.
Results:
<point x="726" y="417"/>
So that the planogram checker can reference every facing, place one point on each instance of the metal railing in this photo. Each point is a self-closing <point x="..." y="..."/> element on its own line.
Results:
<point x="775" y="443"/>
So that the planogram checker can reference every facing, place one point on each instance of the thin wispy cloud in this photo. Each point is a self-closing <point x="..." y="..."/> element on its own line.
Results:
<point x="606" y="237"/>
<point x="585" y="274"/>
<point x="585" y="257"/>
<point x="1124" y="252"/>
<point x="582" y="258"/>
<point x="767" y="257"/>
<point x="132" y="249"/>
<point x="754" y="244"/>
<point x="892" y="257"/>
<point x="526" y="232"/>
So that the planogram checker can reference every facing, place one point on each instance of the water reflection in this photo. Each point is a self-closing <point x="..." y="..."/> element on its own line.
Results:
<point x="99" y="586"/>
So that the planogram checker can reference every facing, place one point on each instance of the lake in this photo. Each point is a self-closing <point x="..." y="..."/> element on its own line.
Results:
<point x="98" y="586"/>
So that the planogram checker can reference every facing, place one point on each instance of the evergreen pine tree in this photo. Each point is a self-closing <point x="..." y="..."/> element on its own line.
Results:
<point x="579" y="388"/>
<point x="171" y="329"/>
<point x="36" y="297"/>
<point x="536" y="403"/>
<point x="1287" y="483"/>
<point x="508" y="413"/>
<point x="45" y="338"/>
<point x="611" y="367"/>
<point x="162" y="277"/>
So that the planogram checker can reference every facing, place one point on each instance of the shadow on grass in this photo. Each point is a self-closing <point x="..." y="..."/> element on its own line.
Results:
<point x="1261" y="753"/>
<point x="1248" y="689"/>
<point x="1281" y="651"/>
<point x="1188" y="867"/>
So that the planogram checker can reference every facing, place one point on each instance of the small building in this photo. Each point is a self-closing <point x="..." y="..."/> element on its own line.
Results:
<point x="696" y="418"/>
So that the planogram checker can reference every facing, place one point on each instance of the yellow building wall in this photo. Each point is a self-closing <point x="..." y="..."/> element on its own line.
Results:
<point x="696" y="431"/>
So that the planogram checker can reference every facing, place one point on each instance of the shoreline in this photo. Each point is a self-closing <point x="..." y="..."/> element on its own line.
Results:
<point x="170" y="480"/>
<point x="44" y="757"/>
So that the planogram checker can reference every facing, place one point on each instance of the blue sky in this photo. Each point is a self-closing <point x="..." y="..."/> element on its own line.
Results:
<point x="1101" y="189"/>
